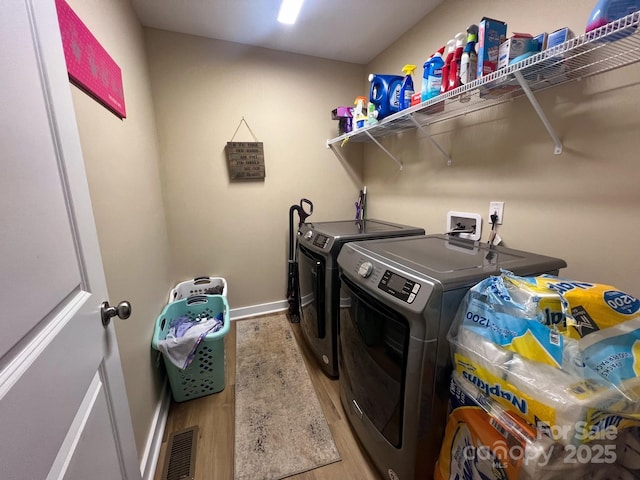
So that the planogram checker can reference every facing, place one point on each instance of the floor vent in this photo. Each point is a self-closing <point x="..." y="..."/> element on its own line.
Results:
<point x="180" y="459"/>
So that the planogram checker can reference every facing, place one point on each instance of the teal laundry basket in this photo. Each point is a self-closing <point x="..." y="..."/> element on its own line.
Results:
<point x="206" y="373"/>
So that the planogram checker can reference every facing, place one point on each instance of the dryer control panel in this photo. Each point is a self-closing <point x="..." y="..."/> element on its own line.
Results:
<point x="321" y="240"/>
<point x="311" y="238"/>
<point x="398" y="286"/>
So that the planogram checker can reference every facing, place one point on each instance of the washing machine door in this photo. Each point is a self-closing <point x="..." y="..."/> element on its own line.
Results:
<point x="373" y="350"/>
<point x="311" y="274"/>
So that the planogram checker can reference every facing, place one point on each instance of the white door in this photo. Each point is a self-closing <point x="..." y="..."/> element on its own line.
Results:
<point x="63" y="407"/>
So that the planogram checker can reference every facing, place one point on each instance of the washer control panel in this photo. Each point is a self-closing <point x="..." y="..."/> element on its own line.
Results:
<point x="399" y="286"/>
<point x="365" y="269"/>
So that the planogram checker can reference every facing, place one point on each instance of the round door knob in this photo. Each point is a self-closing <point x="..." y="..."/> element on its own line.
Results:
<point x="123" y="311"/>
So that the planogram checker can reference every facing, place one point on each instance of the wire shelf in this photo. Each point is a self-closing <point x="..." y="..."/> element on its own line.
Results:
<point x="607" y="48"/>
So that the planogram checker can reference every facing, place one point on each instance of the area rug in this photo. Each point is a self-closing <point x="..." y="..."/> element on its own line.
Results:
<point x="280" y="429"/>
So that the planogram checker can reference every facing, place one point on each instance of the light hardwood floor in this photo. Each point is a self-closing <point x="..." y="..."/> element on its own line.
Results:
<point x="214" y="414"/>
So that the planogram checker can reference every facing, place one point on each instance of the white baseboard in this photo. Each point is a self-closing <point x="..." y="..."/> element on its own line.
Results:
<point x="262" y="309"/>
<point x="149" y="461"/>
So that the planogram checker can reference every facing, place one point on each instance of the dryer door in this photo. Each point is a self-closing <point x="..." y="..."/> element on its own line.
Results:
<point x="374" y="342"/>
<point x="311" y="272"/>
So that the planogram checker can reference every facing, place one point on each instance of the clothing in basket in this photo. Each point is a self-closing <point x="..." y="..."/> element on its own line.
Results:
<point x="185" y="335"/>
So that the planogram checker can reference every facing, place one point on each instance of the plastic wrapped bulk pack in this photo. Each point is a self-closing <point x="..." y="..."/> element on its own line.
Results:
<point x="485" y="441"/>
<point x="514" y="319"/>
<point x="568" y="408"/>
<point x="514" y="339"/>
<point x="591" y="306"/>
<point x="481" y="352"/>
<point x="614" y="353"/>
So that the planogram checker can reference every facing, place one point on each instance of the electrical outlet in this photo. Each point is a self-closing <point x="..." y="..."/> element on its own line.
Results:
<point x="498" y="209"/>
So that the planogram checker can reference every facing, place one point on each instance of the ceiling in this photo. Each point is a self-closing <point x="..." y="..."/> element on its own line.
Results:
<point x="353" y="31"/>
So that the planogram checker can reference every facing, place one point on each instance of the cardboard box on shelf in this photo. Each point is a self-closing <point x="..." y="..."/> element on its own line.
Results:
<point x="340" y="112"/>
<point x="553" y="69"/>
<point x="491" y="33"/>
<point x="518" y="44"/>
<point x="541" y="39"/>
<point x="559" y="36"/>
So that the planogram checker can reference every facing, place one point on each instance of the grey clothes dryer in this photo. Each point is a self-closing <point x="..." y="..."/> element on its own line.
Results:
<point x="318" y="247"/>
<point x="394" y="362"/>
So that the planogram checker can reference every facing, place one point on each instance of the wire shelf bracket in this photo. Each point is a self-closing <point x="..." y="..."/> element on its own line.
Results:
<point x="541" y="115"/>
<point x="336" y="151"/>
<point x="430" y="137"/>
<point x="389" y="154"/>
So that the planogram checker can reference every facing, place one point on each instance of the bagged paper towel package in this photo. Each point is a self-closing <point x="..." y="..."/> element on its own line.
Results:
<point x="590" y="306"/>
<point x="516" y="340"/>
<point x="481" y="352"/>
<point x="569" y="409"/>
<point x="614" y="354"/>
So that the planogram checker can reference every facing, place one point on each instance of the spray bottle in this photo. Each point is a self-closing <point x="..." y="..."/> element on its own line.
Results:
<point x="434" y="75"/>
<point x="358" y="114"/>
<point x="451" y="47"/>
<point x="469" y="60"/>
<point x="425" y="80"/>
<point x="406" y="90"/>
<point x="454" y="69"/>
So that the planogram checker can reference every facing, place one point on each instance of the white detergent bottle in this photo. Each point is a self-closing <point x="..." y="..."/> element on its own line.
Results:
<point x="454" y="68"/>
<point x="451" y="48"/>
<point x="469" y="60"/>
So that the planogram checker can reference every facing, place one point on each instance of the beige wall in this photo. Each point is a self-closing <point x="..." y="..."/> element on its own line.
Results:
<point x="581" y="206"/>
<point x="121" y="159"/>
<point x="239" y="230"/>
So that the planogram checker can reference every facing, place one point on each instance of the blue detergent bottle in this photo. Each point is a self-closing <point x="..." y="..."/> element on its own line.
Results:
<point x="607" y="11"/>
<point x="407" y="90"/>
<point x="384" y="93"/>
<point x="425" y="79"/>
<point x="434" y="75"/>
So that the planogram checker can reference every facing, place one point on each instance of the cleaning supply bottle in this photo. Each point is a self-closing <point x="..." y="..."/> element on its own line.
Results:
<point x="434" y="75"/>
<point x="607" y="11"/>
<point x="384" y="92"/>
<point x="372" y="113"/>
<point x="425" y="80"/>
<point x="454" y="68"/>
<point x="406" y="90"/>
<point x="469" y="59"/>
<point x="359" y="115"/>
<point x="451" y="47"/>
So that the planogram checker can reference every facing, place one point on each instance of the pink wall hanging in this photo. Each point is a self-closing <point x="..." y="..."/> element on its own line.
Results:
<point x="89" y="65"/>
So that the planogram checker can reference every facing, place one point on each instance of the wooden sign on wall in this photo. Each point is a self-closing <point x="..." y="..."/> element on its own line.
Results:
<point x="245" y="160"/>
